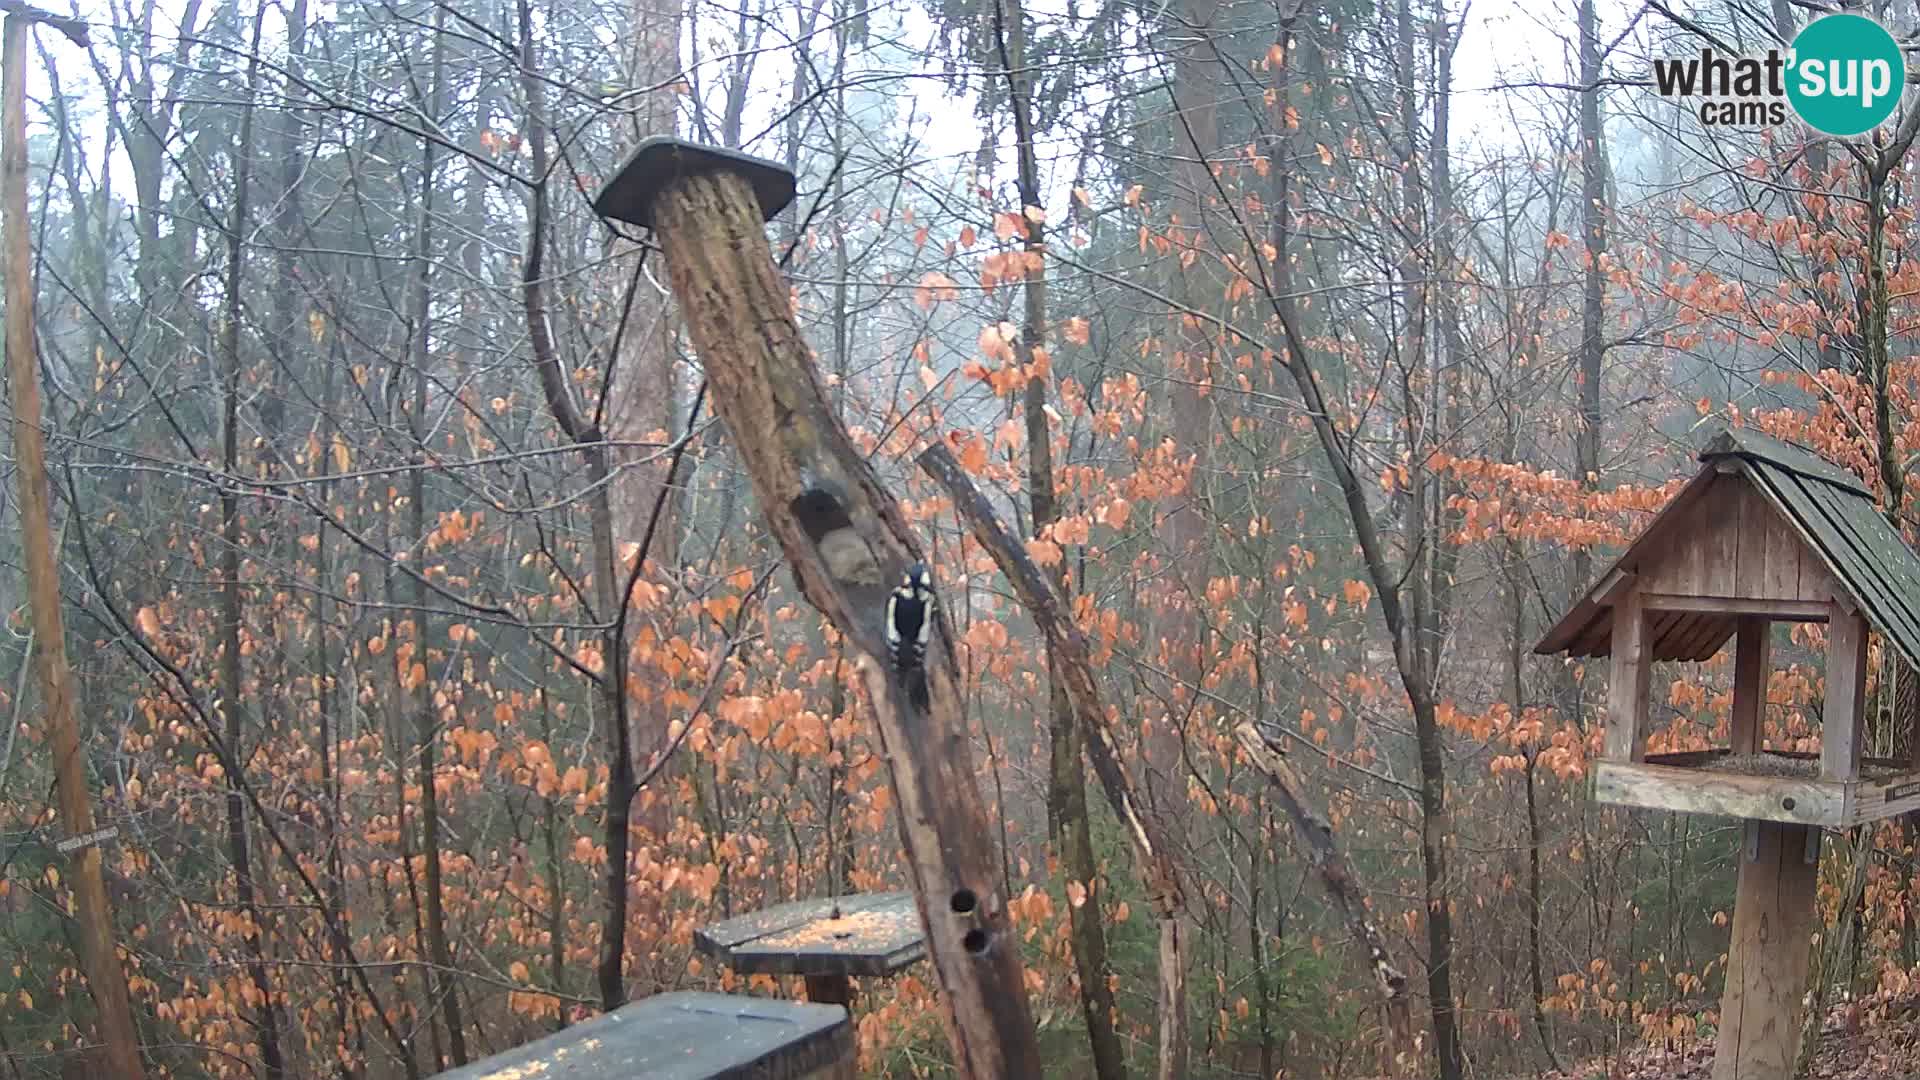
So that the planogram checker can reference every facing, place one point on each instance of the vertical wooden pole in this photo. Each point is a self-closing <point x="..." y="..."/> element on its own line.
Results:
<point x="1846" y="695"/>
<point x="1752" y="648"/>
<point x="1627" y="688"/>
<point x="1761" y="1012"/>
<point x="830" y="990"/>
<point x="105" y="979"/>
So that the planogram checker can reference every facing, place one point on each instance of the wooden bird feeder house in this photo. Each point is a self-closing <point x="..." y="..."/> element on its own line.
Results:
<point x="1766" y="532"/>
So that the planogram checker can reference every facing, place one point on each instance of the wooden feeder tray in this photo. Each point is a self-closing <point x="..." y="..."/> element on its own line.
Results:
<point x="1771" y="785"/>
<point x="877" y="934"/>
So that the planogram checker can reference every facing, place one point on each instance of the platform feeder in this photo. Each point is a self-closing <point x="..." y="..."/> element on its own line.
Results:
<point x="1766" y="532"/>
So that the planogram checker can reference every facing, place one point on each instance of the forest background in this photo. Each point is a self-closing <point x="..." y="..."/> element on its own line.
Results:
<point x="439" y="678"/>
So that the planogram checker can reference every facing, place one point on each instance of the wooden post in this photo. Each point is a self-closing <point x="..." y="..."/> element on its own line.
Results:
<point x="1752" y="648"/>
<point x="105" y="978"/>
<point x="830" y="990"/>
<point x="1761" y="1011"/>
<point x="848" y="544"/>
<point x="1846" y="695"/>
<point x="1631" y="676"/>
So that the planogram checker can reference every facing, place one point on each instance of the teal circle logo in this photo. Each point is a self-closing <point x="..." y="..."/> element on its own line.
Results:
<point x="1846" y="74"/>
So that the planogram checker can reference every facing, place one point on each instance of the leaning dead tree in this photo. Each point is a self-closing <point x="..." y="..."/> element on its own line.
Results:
<point x="1329" y="862"/>
<point x="848" y="544"/>
<point x="1067" y="656"/>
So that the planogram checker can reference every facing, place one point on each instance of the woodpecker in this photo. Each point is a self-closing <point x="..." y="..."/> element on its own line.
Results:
<point x="909" y="625"/>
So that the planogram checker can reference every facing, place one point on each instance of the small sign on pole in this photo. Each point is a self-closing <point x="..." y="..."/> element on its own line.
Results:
<point x="75" y="843"/>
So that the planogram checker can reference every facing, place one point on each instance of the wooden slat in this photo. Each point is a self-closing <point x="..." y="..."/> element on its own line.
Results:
<point x="1755" y="519"/>
<point x="1760" y="1013"/>
<point x="1817" y="583"/>
<point x="1782" y="574"/>
<point x="1751" y="665"/>
<point x="1841" y="726"/>
<point x="1687" y="758"/>
<point x="1732" y="795"/>
<point x="1612" y="586"/>
<point x="1782" y="610"/>
<point x="1669" y="641"/>
<point x="1627" y="687"/>
<point x="1906" y="703"/>
<point x="1884" y="799"/>
<point x="1715" y="645"/>
<point x="1596" y="638"/>
<point x="1720" y="540"/>
<point x="1680" y="568"/>
<point x="1698" y="637"/>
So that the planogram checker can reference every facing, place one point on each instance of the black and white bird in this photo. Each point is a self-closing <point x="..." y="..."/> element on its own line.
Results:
<point x="909" y="625"/>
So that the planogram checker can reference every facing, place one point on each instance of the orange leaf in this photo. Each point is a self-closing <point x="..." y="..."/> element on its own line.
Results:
<point x="1044" y="552"/>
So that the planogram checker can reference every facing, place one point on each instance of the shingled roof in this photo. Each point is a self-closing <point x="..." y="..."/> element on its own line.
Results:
<point x="1831" y="511"/>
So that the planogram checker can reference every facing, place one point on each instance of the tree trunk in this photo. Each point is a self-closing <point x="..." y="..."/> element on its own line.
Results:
<point x="239" y="849"/>
<point x="609" y="578"/>
<point x="440" y="978"/>
<point x="1436" y="829"/>
<point x="639" y="401"/>
<point x="1179" y="632"/>
<point x="1593" y="228"/>
<point x="1066" y="787"/>
<point x="106" y="980"/>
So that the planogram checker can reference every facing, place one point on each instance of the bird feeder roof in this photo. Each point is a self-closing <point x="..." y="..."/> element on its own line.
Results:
<point x="1828" y="509"/>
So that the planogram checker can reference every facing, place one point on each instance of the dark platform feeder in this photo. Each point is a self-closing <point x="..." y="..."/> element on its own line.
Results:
<point x="663" y="159"/>
<point x="826" y="941"/>
<point x="1766" y="532"/>
<point x="685" y="1036"/>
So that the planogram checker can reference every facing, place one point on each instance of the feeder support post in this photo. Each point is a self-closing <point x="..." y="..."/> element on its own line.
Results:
<point x="1764" y="1003"/>
<point x="849" y="545"/>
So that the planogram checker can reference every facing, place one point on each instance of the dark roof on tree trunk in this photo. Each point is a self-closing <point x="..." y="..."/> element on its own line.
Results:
<point x="1832" y="512"/>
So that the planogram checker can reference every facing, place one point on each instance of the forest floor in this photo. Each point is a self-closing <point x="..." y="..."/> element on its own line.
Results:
<point x="1873" y="1040"/>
